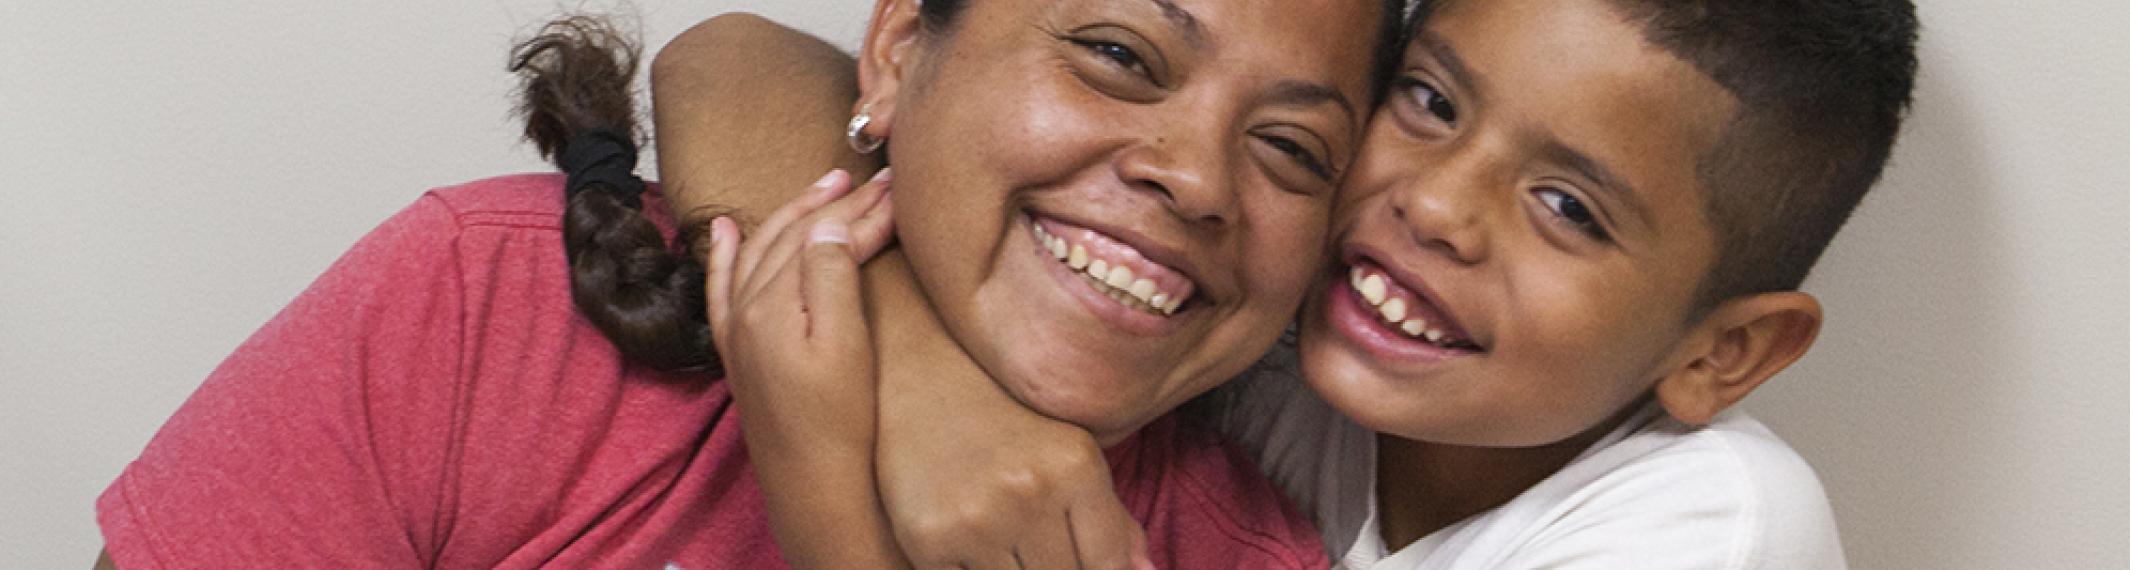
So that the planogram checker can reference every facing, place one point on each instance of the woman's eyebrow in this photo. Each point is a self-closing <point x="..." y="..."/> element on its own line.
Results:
<point x="1298" y="93"/>
<point x="1193" y="32"/>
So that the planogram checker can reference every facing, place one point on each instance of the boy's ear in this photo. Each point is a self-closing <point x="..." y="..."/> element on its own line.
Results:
<point x="1734" y="349"/>
<point x="884" y="61"/>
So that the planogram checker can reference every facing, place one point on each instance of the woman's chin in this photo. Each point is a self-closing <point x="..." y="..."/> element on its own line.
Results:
<point x="1098" y="400"/>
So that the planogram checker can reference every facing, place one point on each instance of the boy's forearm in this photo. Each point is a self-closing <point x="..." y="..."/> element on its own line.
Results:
<point x="748" y="113"/>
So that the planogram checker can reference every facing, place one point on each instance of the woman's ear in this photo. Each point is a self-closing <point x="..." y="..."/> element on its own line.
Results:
<point x="1735" y="349"/>
<point x="884" y="60"/>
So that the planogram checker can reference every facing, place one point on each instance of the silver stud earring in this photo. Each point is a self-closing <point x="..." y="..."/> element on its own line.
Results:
<point x="856" y="135"/>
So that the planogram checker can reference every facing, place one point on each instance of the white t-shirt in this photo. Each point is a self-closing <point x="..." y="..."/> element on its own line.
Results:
<point x="1652" y="494"/>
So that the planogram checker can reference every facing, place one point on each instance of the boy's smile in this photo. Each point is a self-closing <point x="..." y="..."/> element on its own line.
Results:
<point x="1530" y="196"/>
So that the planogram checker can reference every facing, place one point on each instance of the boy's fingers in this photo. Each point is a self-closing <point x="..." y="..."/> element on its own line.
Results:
<point x="1046" y="544"/>
<point x="873" y="229"/>
<point x="724" y="248"/>
<point x="1104" y="534"/>
<point x="827" y="189"/>
<point x="784" y="249"/>
<point x="829" y="285"/>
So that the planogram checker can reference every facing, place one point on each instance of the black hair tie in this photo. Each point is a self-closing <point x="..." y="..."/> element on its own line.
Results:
<point x="601" y="158"/>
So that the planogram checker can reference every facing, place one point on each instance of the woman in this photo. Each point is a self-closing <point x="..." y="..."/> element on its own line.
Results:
<point x="430" y="402"/>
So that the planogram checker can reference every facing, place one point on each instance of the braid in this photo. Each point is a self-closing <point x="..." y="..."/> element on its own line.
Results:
<point x="579" y="111"/>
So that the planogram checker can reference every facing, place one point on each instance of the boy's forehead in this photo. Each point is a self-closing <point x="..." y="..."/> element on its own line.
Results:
<point x="1573" y="82"/>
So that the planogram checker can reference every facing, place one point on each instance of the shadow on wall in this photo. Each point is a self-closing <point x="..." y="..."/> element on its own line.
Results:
<point x="1899" y="402"/>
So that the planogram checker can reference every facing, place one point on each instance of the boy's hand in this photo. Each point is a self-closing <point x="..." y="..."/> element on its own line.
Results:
<point x="1002" y="490"/>
<point x="972" y="478"/>
<point x="787" y="314"/>
<point x="785" y="308"/>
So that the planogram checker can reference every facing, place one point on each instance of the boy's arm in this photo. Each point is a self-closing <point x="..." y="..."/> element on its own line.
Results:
<point x="748" y="111"/>
<point x="746" y="116"/>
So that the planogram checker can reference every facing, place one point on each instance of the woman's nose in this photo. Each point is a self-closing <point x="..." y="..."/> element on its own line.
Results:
<point x="1188" y="166"/>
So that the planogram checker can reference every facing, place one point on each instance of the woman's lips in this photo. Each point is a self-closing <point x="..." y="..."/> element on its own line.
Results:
<point x="1113" y="268"/>
<point x="1131" y="306"/>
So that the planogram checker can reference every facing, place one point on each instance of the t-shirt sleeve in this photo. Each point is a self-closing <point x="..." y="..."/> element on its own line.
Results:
<point x="1732" y="497"/>
<point x="323" y="441"/>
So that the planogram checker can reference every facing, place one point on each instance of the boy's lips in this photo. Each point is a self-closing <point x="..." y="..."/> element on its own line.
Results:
<point x="1396" y="314"/>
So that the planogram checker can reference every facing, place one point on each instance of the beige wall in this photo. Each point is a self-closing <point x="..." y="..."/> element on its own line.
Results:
<point x="172" y="173"/>
<point x="1965" y="404"/>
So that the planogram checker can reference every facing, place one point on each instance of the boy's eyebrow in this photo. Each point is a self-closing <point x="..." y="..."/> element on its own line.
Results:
<point x="1554" y="150"/>
<point x="1452" y="64"/>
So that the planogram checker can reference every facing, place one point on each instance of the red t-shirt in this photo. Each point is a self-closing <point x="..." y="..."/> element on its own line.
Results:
<point x="434" y="400"/>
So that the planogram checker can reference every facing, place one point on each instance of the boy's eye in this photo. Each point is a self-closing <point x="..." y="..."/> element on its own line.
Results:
<point x="1572" y="211"/>
<point x="1428" y="98"/>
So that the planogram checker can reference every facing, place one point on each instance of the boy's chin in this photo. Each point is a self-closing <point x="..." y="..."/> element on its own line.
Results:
<point x="1425" y="407"/>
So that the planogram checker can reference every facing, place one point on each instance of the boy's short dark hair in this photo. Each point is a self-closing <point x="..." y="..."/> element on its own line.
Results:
<point x="1822" y="86"/>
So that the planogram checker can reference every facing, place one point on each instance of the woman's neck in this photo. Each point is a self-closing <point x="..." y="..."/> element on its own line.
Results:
<point x="1424" y="487"/>
<point x="907" y="334"/>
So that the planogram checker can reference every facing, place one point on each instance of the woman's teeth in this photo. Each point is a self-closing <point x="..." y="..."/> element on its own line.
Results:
<point x="1114" y="280"/>
<point x="1394" y="310"/>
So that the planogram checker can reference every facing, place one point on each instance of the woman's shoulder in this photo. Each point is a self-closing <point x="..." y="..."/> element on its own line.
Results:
<point x="530" y="201"/>
<point x="1209" y="502"/>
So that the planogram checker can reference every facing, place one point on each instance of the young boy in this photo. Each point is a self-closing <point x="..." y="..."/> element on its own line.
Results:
<point x="1570" y="244"/>
<point x="1568" y="249"/>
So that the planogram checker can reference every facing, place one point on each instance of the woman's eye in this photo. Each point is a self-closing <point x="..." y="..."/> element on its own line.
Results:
<point x="1301" y="155"/>
<point x="1429" y="98"/>
<point x="1117" y="53"/>
<point x="1573" y="211"/>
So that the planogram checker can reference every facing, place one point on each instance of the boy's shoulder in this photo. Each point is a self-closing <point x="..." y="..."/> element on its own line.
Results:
<point x="1658" y="493"/>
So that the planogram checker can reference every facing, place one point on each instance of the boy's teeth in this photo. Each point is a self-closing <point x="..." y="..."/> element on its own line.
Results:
<point x="1077" y="258"/>
<point x="1393" y="310"/>
<point x="1374" y="289"/>
<point x="1099" y="270"/>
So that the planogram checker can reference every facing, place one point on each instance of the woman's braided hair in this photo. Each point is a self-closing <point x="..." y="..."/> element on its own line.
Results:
<point x="580" y="111"/>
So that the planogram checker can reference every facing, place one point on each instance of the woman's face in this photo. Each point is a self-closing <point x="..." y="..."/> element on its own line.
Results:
<point x="1116" y="204"/>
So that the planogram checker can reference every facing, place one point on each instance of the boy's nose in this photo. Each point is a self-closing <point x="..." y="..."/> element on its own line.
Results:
<point x="1445" y="208"/>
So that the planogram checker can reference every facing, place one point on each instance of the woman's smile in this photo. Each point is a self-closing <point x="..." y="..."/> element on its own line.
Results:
<point x="1115" y="280"/>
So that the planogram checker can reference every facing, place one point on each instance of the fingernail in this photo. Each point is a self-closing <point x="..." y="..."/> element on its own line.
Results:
<point x="829" y="231"/>
<point x="829" y="180"/>
<point x="885" y="174"/>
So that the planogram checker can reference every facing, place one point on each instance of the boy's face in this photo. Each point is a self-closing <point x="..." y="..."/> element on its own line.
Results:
<point x="1522" y="235"/>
